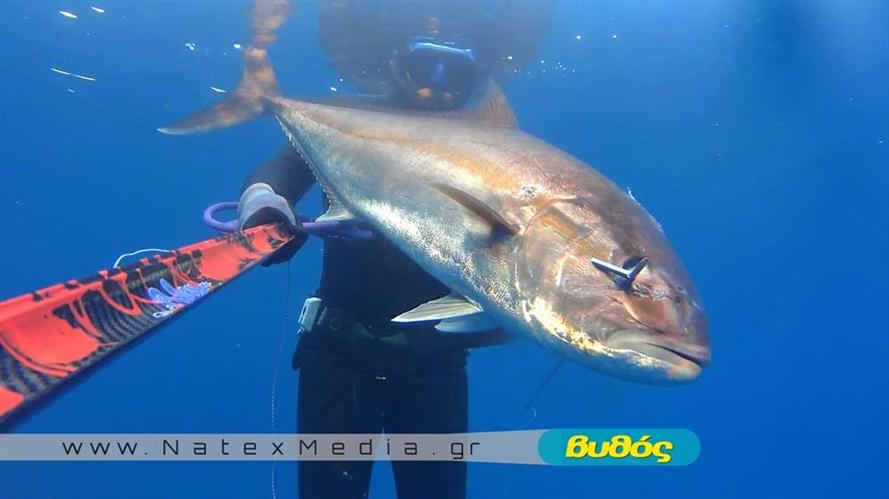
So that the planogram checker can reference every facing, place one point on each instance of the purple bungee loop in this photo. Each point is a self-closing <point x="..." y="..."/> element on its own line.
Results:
<point x="340" y="228"/>
<point x="211" y="210"/>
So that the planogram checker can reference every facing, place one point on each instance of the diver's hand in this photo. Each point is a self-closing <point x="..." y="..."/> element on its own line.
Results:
<point x="260" y="204"/>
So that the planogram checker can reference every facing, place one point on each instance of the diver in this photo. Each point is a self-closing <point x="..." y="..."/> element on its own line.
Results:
<point x="359" y="372"/>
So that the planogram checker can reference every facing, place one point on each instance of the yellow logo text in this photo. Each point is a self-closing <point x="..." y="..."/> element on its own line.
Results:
<point x="619" y="447"/>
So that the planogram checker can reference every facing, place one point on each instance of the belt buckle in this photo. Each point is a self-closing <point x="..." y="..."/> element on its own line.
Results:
<point x="308" y="316"/>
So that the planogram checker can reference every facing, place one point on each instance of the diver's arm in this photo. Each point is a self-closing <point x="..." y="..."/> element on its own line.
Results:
<point x="475" y="339"/>
<point x="269" y="194"/>
<point x="287" y="174"/>
<point x="485" y="338"/>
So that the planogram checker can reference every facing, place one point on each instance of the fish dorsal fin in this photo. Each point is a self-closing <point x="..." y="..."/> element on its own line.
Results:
<point x="373" y="102"/>
<point x="492" y="109"/>
<point x="447" y="307"/>
<point x="500" y="226"/>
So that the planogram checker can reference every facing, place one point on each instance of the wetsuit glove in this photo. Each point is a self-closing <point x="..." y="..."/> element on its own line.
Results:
<point x="260" y="204"/>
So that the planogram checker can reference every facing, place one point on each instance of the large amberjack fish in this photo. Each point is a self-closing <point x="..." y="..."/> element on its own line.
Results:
<point x="527" y="237"/>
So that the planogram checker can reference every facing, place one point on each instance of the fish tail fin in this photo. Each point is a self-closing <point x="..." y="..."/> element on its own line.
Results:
<point x="244" y="103"/>
<point x="257" y="83"/>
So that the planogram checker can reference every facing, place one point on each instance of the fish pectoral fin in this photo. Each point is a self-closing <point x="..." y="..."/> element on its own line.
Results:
<point x="447" y="307"/>
<point x="500" y="226"/>
<point x="336" y="212"/>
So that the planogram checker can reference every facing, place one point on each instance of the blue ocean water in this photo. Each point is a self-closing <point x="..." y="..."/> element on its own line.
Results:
<point x="757" y="133"/>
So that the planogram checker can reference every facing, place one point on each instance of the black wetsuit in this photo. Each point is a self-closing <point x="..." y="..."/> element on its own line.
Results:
<point x="368" y="383"/>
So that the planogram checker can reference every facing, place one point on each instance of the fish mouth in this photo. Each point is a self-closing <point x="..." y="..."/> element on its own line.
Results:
<point x="672" y="359"/>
